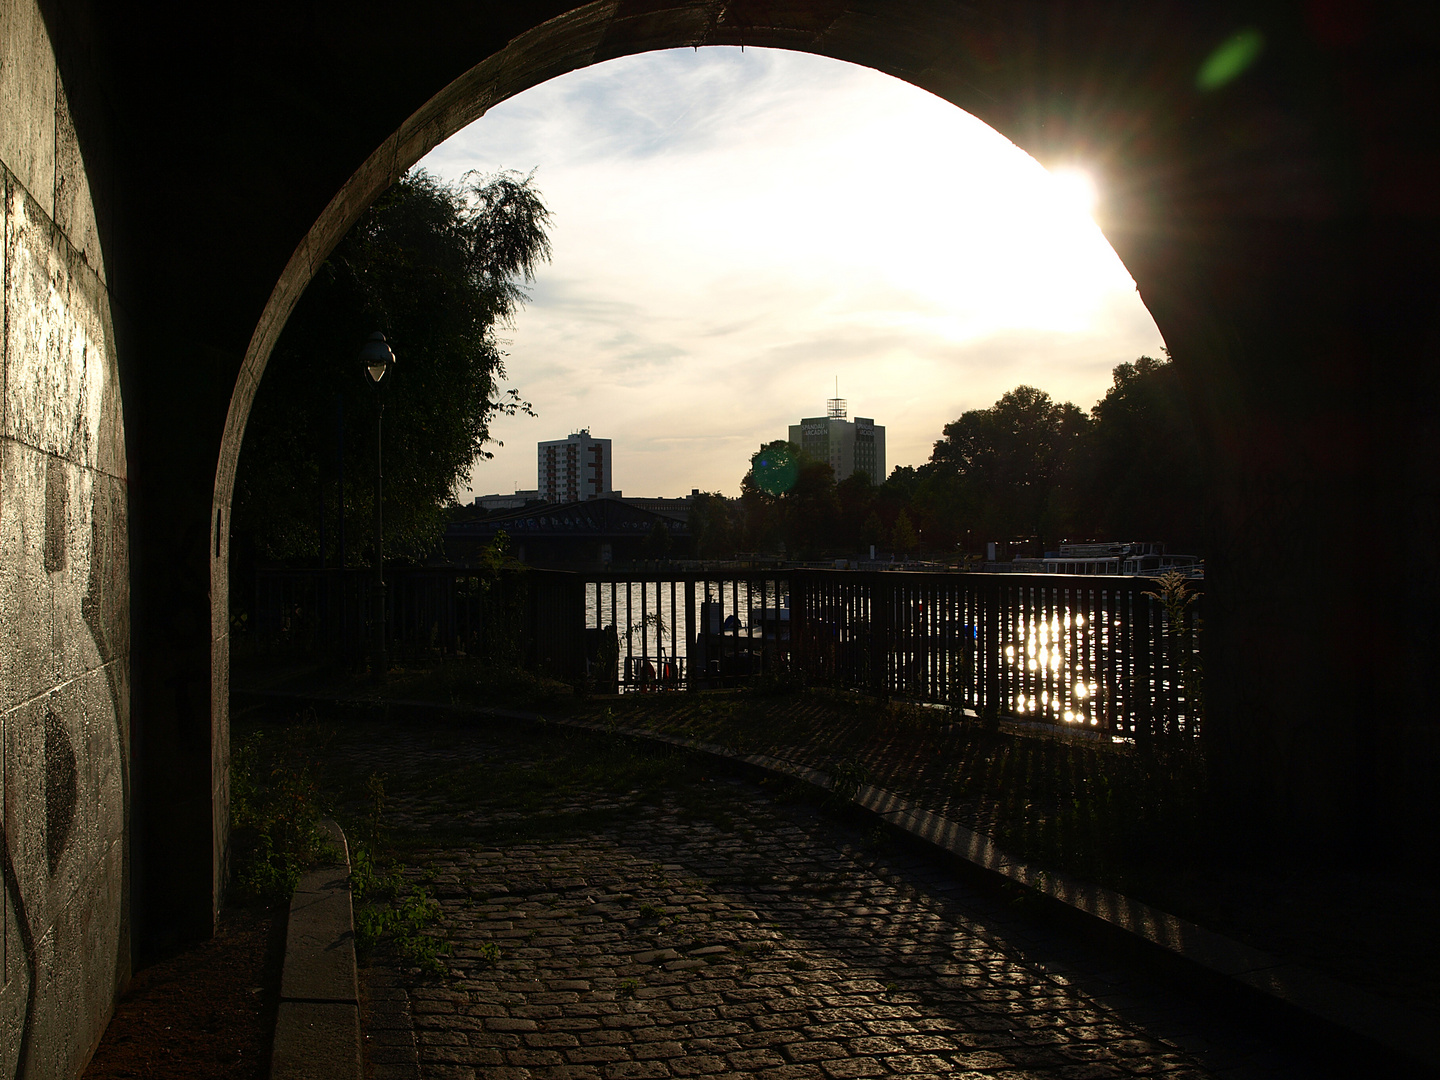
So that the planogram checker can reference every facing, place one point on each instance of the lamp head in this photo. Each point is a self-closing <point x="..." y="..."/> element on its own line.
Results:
<point x="376" y="356"/>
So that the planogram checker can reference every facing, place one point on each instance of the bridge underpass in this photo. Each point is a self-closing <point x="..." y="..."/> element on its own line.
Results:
<point x="172" y="183"/>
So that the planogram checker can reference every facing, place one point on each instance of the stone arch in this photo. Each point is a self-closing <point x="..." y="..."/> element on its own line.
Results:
<point x="946" y="50"/>
<point x="1282" y="228"/>
<point x="1235" y="208"/>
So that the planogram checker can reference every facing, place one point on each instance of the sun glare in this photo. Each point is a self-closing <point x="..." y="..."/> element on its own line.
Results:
<point x="1074" y="189"/>
<point x="729" y="224"/>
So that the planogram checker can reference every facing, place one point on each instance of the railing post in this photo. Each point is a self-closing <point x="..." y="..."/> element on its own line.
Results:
<point x="689" y="673"/>
<point x="798" y="658"/>
<point x="1144" y="683"/>
<point x="1194" y="673"/>
<point x="881" y="633"/>
<point x="992" y="702"/>
<point x="575" y="622"/>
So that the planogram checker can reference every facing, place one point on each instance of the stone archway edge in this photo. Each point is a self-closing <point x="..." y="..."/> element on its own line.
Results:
<point x="1296" y="994"/>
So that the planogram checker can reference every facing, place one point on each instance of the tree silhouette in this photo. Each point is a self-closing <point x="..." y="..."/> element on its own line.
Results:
<point x="1010" y="461"/>
<point x="437" y="268"/>
<point x="1144" y="465"/>
<point x="903" y="539"/>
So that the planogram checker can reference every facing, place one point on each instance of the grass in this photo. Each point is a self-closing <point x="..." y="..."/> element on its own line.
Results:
<point x="576" y="783"/>
<point x="278" y="797"/>
<point x="474" y="681"/>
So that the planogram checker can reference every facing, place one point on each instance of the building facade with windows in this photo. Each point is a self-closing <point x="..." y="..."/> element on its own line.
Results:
<point x="575" y="468"/>
<point x="850" y="446"/>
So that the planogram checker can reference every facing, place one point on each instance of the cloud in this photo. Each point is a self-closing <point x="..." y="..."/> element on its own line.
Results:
<point x="734" y="230"/>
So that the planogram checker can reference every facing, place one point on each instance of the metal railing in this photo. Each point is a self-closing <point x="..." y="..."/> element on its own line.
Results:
<point x="528" y="618"/>
<point x="1087" y="652"/>
<point x="714" y="628"/>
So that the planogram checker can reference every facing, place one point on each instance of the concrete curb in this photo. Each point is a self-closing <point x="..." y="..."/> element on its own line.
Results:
<point x="317" y="1030"/>
<point x="1299" y="994"/>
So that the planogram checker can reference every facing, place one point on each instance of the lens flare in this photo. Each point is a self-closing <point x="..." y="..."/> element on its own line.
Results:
<point x="1231" y="60"/>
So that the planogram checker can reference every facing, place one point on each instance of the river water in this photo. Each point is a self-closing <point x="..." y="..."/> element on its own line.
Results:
<point x="632" y="608"/>
<point x="1063" y="662"/>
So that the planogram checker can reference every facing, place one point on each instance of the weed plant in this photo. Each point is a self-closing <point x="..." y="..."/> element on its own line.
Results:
<point x="277" y="799"/>
<point x="1181" y="636"/>
<point x="275" y="811"/>
<point x="388" y="908"/>
<point x="847" y="777"/>
<point x="391" y="911"/>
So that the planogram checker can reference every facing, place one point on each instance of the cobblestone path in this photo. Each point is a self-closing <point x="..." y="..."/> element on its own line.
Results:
<point x="762" y="940"/>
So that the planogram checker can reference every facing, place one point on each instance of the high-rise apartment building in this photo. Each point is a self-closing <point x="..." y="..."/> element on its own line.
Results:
<point x="849" y="446"/>
<point x="574" y="468"/>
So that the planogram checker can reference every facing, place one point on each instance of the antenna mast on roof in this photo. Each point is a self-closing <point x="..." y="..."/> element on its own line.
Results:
<point x="837" y="403"/>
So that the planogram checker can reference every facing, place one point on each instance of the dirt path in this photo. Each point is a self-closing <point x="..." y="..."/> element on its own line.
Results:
<point x="207" y="1013"/>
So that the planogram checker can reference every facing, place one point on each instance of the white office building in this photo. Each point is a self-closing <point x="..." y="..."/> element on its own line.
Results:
<point x="848" y="445"/>
<point x="574" y="468"/>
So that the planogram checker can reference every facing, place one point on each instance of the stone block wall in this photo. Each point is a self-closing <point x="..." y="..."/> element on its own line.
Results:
<point x="64" y="585"/>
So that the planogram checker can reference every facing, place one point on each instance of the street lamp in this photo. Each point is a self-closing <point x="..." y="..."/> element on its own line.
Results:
<point x="376" y="357"/>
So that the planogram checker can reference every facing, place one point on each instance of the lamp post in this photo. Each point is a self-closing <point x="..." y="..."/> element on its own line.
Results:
<point x="376" y="356"/>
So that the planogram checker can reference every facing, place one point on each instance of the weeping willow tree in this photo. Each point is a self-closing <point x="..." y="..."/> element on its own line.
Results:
<point x="438" y="268"/>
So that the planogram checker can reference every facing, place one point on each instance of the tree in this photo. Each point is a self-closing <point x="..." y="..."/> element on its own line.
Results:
<point x="773" y="471"/>
<point x="1144" y="465"/>
<point x="903" y="539"/>
<point x="872" y="531"/>
<point x="810" y="510"/>
<point x="946" y="507"/>
<point x="855" y="496"/>
<point x="437" y="268"/>
<point x="789" y="497"/>
<point x="1011" y="462"/>
<point x="711" y="531"/>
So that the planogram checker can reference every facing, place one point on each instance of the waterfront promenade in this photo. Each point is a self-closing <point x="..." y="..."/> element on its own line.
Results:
<point x="634" y="916"/>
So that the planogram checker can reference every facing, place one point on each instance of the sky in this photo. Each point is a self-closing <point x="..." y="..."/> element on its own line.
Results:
<point x="735" y="231"/>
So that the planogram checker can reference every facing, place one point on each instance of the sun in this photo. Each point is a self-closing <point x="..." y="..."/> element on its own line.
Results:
<point x="1074" y="189"/>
